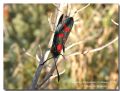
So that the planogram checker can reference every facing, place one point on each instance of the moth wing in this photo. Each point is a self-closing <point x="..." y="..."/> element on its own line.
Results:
<point x="60" y="19"/>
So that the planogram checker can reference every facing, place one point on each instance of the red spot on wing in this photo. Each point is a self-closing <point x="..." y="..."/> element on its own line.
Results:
<point x="64" y="25"/>
<point x="66" y="28"/>
<point x="61" y="35"/>
<point x="59" y="47"/>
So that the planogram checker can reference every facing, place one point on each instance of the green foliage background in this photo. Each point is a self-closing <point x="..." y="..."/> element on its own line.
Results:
<point x="26" y="26"/>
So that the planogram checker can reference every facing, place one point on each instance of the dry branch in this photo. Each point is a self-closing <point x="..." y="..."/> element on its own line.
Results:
<point x="94" y="50"/>
<point x="114" y="22"/>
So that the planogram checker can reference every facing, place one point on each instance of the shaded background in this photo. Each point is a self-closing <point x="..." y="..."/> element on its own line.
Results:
<point x="26" y="26"/>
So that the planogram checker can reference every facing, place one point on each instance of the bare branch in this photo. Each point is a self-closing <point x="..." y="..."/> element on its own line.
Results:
<point x="36" y="76"/>
<point x="78" y="10"/>
<point x="39" y="68"/>
<point x="27" y="53"/>
<point x="38" y="55"/>
<point x="94" y="50"/>
<point x="57" y="7"/>
<point x="50" y="23"/>
<point x="83" y="8"/>
<point x="102" y="47"/>
<point x="51" y="40"/>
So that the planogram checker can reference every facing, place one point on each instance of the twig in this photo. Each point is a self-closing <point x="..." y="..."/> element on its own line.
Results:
<point x="27" y="53"/>
<point x="57" y="7"/>
<point x="114" y="22"/>
<point x="102" y="47"/>
<point x="37" y="73"/>
<point x="94" y="50"/>
<point x="50" y="23"/>
<point x="30" y="55"/>
<point x="82" y="8"/>
<point x="39" y="68"/>
<point x="39" y="53"/>
<point x="40" y="49"/>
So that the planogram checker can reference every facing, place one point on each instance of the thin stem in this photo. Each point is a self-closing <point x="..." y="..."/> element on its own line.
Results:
<point x="104" y="46"/>
<point x="57" y="70"/>
<point x="38" y="71"/>
<point x="81" y="9"/>
<point x="114" y="22"/>
<point x="94" y="50"/>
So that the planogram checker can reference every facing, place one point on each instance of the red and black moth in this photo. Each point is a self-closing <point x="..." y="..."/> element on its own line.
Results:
<point x="62" y="32"/>
<point x="63" y="29"/>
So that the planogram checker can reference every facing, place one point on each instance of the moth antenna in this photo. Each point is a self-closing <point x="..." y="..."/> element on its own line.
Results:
<point x="46" y="61"/>
<point x="57" y="70"/>
<point x="78" y="10"/>
<point x="63" y="56"/>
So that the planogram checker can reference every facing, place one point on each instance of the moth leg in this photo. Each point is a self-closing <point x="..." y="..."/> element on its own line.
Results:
<point x="57" y="71"/>
<point x="46" y="61"/>
<point x="63" y="56"/>
<point x="63" y="48"/>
